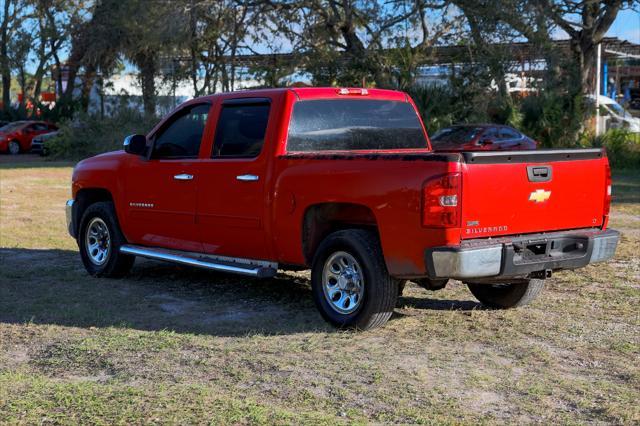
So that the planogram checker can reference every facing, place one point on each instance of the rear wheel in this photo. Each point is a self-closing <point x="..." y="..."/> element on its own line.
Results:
<point x="100" y="240"/>
<point x="14" y="147"/>
<point x="350" y="283"/>
<point x="508" y="295"/>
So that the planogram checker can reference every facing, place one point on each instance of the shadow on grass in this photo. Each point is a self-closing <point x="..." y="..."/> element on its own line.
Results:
<point x="440" y="304"/>
<point x="52" y="287"/>
<point x="31" y="161"/>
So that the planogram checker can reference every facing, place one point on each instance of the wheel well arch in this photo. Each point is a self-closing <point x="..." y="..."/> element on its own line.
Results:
<point x="84" y="198"/>
<point x="320" y="220"/>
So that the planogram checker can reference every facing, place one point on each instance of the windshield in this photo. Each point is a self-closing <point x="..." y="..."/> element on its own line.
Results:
<point x="348" y="124"/>
<point x="13" y="126"/>
<point x="617" y="109"/>
<point x="460" y="135"/>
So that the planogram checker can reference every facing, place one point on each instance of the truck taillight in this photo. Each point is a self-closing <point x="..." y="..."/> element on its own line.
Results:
<point x="607" y="189"/>
<point x="441" y="201"/>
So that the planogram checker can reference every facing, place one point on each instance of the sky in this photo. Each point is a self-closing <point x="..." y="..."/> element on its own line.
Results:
<point x="626" y="26"/>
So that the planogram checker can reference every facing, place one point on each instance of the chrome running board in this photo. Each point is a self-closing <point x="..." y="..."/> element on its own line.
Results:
<point x="252" y="268"/>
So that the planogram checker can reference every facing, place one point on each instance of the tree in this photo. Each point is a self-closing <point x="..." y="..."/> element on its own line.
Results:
<point x="13" y="12"/>
<point x="586" y="23"/>
<point x="347" y="41"/>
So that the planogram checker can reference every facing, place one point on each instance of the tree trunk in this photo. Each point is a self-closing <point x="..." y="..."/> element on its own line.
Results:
<point x="22" y="81"/>
<point x="87" y="84"/>
<point x="78" y="47"/>
<point x="4" y="58"/>
<point x="585" y="54"/>
<point x="193" y="47"/>
<point x="148" y="70"/>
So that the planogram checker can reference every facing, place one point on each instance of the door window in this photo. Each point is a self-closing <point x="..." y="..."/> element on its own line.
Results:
<point x="508" y="134"/>
<point x="490" y="134"/>
<point x="181" y="137"/>
<point x="38" y="127"/>
<point x="241" y="129"/>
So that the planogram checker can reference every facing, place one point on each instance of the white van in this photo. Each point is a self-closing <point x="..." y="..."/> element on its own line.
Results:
<point x="616" y="116"/>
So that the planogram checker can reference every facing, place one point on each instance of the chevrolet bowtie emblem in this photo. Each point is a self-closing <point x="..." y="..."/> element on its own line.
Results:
<point x="539" y="196"/>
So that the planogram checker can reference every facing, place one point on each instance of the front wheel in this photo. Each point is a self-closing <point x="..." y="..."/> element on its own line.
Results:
<point x="350" y="283"/>
<point x="14" y="148"/>
<point x="508" y="295"/>
<point x="99" y="241"/>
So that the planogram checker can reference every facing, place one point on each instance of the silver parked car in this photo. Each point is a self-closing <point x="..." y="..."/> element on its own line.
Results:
<point x="38" y="143"/>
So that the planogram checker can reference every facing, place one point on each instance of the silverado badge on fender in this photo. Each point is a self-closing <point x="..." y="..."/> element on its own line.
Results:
<point x="539" y="196"/>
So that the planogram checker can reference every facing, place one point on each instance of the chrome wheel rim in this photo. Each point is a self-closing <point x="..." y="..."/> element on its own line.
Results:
<point x="343" y="282"/>
<point x="14" y="148"/>
<point x="98" y="241"/>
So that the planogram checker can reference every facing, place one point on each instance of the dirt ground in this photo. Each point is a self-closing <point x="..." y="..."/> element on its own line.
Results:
<point x="171" y="344"/>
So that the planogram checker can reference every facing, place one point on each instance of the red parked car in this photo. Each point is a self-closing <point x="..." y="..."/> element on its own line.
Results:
<point x="481" y="137"/>
<point x="16" y="137"/>
<point x="342" y="181"/>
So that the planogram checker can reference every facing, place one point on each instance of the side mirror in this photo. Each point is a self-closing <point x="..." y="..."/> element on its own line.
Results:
<point x="135" y="144"/>
<point x="486" y="142"/>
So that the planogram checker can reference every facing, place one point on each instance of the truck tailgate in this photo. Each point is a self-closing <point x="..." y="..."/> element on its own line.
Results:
<point x="521" y="192"/>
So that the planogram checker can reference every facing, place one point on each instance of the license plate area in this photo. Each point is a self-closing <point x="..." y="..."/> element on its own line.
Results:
<point x="534" y="251"/>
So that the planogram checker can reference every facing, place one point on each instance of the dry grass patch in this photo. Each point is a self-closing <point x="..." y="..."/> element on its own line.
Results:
<point x="177" y="345"/>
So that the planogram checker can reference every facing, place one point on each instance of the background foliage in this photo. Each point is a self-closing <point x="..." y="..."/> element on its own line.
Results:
<point x="372" y="43"/>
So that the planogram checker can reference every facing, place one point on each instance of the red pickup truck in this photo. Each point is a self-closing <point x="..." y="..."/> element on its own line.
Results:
<point x="342" y="181"/>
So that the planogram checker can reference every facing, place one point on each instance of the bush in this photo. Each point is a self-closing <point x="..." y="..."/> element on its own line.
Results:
<point x="623" y="148"/>
<point x="553" y="119"/>
<point x="435" y="104"/>
<point x="88" y="135"/>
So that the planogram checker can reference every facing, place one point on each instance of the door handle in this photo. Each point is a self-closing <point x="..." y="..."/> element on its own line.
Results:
<point x="183" y="176"/>
<point x="539" y="173"/>
<point x="247" y="178"/>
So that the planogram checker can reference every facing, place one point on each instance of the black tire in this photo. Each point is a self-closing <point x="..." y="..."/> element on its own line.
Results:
<point x="380" y="290"/>
<point x="116" y="264"/>
<point x="431" y="285"/>
<point x="504" y="296"/>
<point x="401" y="285"/>
<point x="13" y="151"/>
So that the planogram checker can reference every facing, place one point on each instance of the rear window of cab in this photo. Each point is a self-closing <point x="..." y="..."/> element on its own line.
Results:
<point x="354" y="125"/>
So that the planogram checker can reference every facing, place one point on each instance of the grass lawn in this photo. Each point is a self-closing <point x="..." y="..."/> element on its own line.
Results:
<point x="176" y="345"/>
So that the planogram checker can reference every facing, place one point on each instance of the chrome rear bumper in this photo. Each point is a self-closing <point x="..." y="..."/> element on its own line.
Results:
<point x="520" y="256"/>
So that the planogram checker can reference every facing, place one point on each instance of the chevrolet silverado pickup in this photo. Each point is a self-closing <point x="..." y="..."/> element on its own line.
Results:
<point x="344" y="182"/>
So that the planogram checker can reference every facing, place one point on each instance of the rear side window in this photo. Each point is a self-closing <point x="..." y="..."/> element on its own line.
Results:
<point x="241" y="129"/>
<point x="325" y="125"/>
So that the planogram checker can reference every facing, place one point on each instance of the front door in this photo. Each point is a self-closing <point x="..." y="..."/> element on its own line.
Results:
<point x="161" y="190"/>
<point x="231" y="191"/>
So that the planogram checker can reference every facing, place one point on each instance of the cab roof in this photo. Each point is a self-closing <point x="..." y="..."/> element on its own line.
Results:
<point x="308" y="93"/>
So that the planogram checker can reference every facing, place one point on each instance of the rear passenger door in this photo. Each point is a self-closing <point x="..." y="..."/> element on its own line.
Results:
<point x="232" y="201"/>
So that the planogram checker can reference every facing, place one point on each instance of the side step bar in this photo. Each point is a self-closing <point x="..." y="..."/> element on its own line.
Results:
<point x="260" y="269"/>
